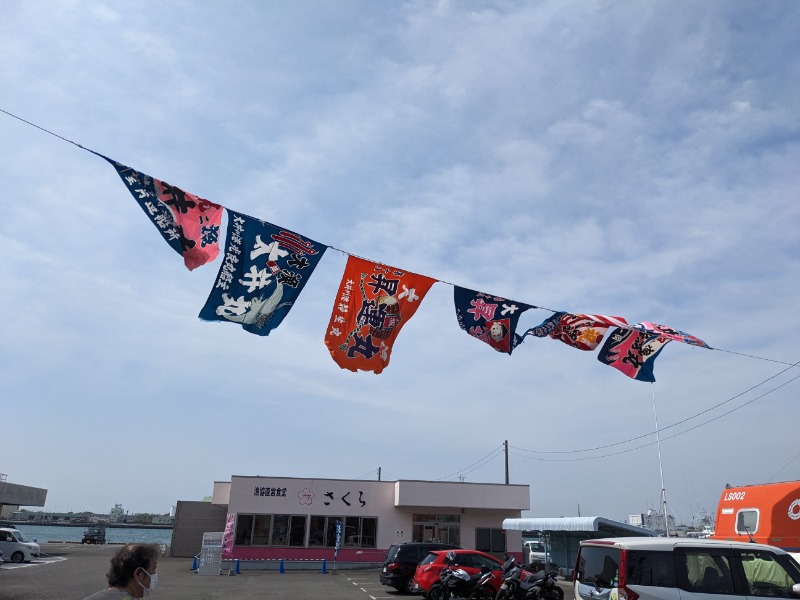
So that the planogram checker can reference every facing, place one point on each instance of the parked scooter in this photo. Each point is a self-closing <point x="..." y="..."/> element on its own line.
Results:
<point x="521" y="585"/>
<point x="456" y="584"/>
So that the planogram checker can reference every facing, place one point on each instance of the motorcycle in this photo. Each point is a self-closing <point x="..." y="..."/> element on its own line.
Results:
<point x="456" y="584"/>
<point x="521" y="585"/>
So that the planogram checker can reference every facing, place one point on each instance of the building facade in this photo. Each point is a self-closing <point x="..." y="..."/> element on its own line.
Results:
<point x="272" y="518"/>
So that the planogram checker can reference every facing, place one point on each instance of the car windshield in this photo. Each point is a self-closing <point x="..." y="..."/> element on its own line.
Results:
<point x="19" y="536"/>
<point x="428" y="559"/>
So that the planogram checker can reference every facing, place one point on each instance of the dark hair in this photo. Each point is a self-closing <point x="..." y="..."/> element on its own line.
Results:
<point x="129" y="558"/>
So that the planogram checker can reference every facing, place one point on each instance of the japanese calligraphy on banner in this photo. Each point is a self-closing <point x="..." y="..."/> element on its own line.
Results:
<point x="188" y="223"/>
<point x="372" y="304"/>
<point x="264" y="270"/>
<point x="584" y="332"/>
<point x="491" y="319"/>
<point x="673" y="334"/>
<point x="632" y="352"/>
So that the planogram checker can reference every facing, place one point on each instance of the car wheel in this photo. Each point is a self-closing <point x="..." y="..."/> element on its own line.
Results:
<point x="410" y="586"/>
<point x="17" y="557"/>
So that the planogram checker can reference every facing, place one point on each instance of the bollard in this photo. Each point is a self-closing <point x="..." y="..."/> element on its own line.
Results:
<point x="236" y="570"/>
<point x="324" y="567"/>
<point x="281" y="569"/>
<point x="194" y="564"/>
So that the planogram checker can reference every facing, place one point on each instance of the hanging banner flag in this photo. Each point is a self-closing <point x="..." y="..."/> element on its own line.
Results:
<point x="227" y="537"/>
<point x="673" y="334"/>
<point x="373" y="303"/>
<point x="491" y="319"/>
<point x="264" y="270"/>
<point x="584" y="332"/>
<point x="188" y="223"/>
<point x="632" y="352"/>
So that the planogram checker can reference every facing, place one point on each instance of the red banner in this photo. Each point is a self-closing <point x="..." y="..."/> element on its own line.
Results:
<point x="373" y="303"/>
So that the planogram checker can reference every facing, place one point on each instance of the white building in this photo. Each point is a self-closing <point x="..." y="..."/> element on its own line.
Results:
<point x="271" y="518"/>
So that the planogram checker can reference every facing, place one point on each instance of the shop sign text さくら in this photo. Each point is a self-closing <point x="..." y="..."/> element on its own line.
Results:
<point x="306" y="496"/>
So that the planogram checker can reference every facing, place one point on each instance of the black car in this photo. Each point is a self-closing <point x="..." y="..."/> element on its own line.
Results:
<point x="401" y="561"/>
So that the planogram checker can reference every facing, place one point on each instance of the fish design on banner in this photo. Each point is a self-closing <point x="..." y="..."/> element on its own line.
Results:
<point x="673" y="334"/>
<point x="632" y="352"/>
<point x="491" y="319"/>
<point x="264" y="270"/>
<point x="584" y="332"/>
<point x="188" y="223"/>
<point x="372" y="304"/>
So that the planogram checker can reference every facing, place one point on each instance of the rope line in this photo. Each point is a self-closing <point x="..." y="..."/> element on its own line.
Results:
<point x="12" y="115"/>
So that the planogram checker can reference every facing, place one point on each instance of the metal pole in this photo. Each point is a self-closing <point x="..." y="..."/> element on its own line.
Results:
<point x="506" y="449"/>
<point x="660" y="466"/>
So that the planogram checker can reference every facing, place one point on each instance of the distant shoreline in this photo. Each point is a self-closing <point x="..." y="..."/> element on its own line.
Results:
<point x="93" y="524"/>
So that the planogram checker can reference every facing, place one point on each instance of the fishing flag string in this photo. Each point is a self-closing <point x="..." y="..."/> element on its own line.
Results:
<point x="631" y="349"/>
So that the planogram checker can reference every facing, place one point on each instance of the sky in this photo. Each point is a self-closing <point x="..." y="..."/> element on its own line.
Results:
<point x="617" y="158"/>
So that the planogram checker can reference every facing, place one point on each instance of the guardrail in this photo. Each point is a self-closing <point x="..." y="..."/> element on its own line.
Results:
<point x="234" y="566"/>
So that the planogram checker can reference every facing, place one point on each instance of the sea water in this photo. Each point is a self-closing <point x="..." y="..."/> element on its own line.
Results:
<point x="114" y="535"/>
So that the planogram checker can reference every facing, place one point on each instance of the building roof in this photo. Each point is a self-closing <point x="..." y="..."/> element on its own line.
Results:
<point x="576" y="524"/>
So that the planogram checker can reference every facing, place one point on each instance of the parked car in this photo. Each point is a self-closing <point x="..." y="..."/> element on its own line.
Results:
<point x="401" y="561"/>
<point x="651" y="568"/>
<point x="426" y="577"/>
<point x="16" y="547"/>
<point x="94" y="535"/>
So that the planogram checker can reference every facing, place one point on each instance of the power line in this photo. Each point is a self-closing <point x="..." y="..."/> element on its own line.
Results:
<point x="664" y="439"/>
<point x="731" y="399"/>
<point x="480" y="462"/>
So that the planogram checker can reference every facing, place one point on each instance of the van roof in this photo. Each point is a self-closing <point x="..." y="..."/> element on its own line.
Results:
<point x="663" y="543"/>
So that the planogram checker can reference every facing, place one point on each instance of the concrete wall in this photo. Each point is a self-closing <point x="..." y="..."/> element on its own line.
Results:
<point x="192" y="519"/>
<point x="21" y="495"/>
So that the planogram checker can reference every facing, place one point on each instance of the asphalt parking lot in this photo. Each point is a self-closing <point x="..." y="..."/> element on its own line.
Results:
<point x="73" y="571"/>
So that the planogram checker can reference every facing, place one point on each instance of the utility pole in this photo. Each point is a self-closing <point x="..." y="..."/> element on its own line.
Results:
<point x="505" y="444"/>
<point x="379" y="473"/>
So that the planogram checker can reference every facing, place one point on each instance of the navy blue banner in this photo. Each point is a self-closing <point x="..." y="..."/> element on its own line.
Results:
<point x="491" y="319"/>
<point x="264" y="270"/>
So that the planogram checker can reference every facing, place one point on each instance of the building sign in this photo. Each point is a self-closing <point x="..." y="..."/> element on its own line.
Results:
<point x="211" y="554"/>
<point x="306" y="496"/>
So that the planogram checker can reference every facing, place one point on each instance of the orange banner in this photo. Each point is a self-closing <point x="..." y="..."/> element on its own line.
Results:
<point x="372" y="304"/>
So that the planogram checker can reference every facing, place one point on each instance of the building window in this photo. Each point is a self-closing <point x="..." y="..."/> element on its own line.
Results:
<point x="270" y="530"/>
<point x="490" y="540"/>
<point x="445" y="529"/>
<point x="360" y="532"/>
<point x="244" y="529"/>
<point x="261" y="529"/>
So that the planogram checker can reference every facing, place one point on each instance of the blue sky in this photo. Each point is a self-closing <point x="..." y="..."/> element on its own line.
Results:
<point x="633" y="159"/>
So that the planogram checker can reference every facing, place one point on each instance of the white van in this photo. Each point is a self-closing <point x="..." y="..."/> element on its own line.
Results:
<point x="534" y="553"/>
<point x="652" y="568"/>
<point x="16" y="547"/>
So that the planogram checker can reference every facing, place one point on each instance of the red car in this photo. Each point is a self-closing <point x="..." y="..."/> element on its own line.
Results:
<point x="427" y="573"/>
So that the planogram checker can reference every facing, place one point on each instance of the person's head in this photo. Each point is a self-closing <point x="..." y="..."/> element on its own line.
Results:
<point x="133" y="567"/>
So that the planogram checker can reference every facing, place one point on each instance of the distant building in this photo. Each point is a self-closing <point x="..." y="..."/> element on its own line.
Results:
<point x="654" y="520"/>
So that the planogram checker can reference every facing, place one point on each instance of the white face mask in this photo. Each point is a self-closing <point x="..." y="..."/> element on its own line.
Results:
<point x="153" y="580"/>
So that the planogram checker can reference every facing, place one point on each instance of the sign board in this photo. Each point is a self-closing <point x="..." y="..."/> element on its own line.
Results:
<point x="211" y="554"/>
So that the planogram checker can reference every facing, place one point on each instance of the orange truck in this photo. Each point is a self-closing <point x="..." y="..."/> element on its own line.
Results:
<point x="768" y="514"/>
